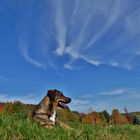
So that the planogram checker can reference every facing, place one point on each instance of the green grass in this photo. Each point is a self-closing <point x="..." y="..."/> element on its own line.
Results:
<point x="19" y="127"/>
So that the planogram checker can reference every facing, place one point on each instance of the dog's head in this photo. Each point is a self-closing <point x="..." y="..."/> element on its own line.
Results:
<point x="59" y="98"/>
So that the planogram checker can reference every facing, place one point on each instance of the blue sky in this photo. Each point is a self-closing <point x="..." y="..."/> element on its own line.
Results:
<point x="90" y="50"/>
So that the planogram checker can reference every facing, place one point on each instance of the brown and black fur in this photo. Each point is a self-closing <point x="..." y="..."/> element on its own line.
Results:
<point x="48" y="105"/>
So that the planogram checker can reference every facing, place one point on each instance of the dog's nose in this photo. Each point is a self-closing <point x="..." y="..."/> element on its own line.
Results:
<point x="69" y="99"/>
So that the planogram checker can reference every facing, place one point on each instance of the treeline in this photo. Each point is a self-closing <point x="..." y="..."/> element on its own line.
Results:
<point x="97" y="118"/>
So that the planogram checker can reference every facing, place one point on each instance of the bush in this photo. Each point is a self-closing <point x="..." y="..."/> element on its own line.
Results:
<point x="135" y="119"/>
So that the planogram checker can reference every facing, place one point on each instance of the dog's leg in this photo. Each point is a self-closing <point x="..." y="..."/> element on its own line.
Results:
<point x="44" y="121"/>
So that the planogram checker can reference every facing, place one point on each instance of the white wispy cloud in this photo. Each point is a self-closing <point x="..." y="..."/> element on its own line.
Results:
<point x="131" y="94"/>
<point x="119" y="91"/>
<point x="110" y="20"/>
<point x="74" y="12"/>
<point x="93" y="62"/>
<point x="2" y="96"/>
<point x="79" y="102"/>
<point x="81" y="36"/>
<point x="107" y="57"/>
<point x="34" y="62"/>
<point x="68" y="66"/>
<point x="29" y="98"/>
<point x="88" y="106"/>
<point x="75" y="55"/>
<point x="104" y="101"/>
<point x="121" y="95"/>
<point x="60" y="28"/>
<point x="99" y="33"/>
<point x="75" y="48"/>
<point x="132" y="21"/>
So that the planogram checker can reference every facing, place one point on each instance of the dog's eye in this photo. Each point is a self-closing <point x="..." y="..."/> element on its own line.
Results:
<point x="61" y="94"/>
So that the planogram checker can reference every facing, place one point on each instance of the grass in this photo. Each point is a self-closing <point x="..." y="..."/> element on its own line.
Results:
<point x="19" y="127"/>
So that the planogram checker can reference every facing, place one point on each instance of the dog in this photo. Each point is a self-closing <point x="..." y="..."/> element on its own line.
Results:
<point x="45" y="112"/>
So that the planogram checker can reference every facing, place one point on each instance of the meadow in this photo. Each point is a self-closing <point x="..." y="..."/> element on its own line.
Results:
<point x="18" y="126"/>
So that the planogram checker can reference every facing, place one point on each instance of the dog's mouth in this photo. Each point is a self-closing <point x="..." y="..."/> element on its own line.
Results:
<point x="63" y="104"/>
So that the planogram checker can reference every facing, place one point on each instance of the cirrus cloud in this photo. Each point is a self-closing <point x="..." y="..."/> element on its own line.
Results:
<point x="98" y="33"/>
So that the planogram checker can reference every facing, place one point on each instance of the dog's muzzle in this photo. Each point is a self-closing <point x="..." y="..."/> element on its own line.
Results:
<point x="63" y="103"/>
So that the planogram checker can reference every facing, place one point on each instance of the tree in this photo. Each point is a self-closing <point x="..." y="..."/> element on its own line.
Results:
<point x="101" y="119"/>
<point x="117" y="118"/>
<point x="128" y="116"/>
<point x="107" y="116"/>
<point x="90" y="118"/>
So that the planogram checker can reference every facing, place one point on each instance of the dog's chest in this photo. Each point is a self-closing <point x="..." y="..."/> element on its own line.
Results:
<point x="53" y="117"/>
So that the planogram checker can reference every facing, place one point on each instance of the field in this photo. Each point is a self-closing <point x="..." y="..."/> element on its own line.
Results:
<point x="19" y="127"/>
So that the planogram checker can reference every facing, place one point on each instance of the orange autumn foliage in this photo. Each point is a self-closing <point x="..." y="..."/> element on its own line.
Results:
<point x="94" y="118"/>
<point x="117" y="118"/>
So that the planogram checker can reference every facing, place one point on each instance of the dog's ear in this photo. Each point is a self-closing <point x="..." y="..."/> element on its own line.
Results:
<point x="51" y="94"/>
